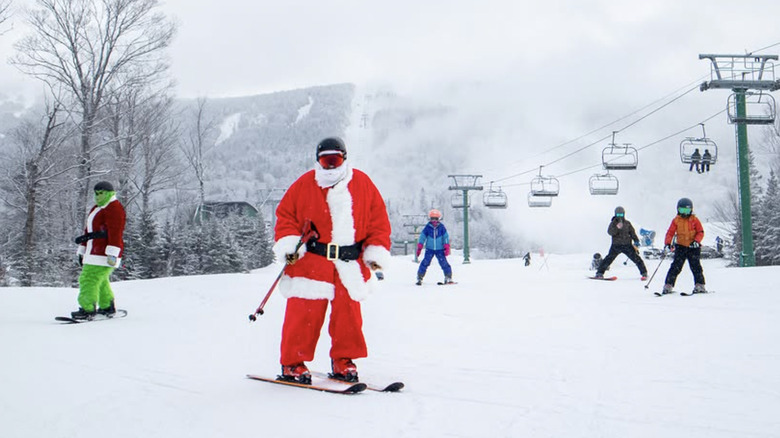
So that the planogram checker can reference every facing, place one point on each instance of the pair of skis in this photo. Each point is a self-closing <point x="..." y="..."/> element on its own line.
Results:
<point x="324" y="383"/>
<point x="684" y="294"/>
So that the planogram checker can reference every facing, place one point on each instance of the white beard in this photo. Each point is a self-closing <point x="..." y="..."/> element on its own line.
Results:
<point x="329" y="177"/>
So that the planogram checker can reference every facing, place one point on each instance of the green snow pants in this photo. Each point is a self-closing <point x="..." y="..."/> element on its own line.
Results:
<point x="94" y="287"/>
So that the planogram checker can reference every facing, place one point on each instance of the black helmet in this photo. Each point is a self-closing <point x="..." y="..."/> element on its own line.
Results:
<point x="104" y="185"/>
<point x="620" y="210"/>
<point x="685" y="203"/>
<point x="331" y="144"/>
<point x="597" y="255"/>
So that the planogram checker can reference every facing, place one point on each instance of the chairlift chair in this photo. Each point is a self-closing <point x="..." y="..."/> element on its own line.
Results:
<point x="760" y="109"/>
<point x="494" y="198"/>
<point x="544" y="186"/>
<point x="539" y="201"/>
<point x="690" y="145"/>
<point x="603" y="184"/>
<point x="617" y="157"/>
<point x="458" y="200"/>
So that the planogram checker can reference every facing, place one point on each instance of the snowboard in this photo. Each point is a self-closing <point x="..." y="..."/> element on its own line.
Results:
<point x="317" y="384"/>
<point x="120" y="313"/>
<point x="391" y="387"/>
<point x="604" y="278"/>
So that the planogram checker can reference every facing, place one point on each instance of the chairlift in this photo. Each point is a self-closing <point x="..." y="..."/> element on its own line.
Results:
<point x="760" y="109"/>
<point x="539" y="201"/>
<point x="458" y="200"/>
<point x="617" y="157"/>
<point x="603" y="184"/>
<point x="707" y="149"/>
<point x="544" y="186"/>
<point x="494" y="198"/>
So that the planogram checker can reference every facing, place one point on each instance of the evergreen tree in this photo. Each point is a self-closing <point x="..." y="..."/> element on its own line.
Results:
<point x="768" y="246"/>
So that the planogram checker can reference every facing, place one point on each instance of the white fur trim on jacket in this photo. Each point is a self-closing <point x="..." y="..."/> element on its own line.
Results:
<point x="377" y="254"/>
<point x="286" y="245"/>
<point x="302" y="287"/>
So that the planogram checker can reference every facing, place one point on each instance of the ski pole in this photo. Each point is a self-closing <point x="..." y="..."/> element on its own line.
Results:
<point x="663" y="256"/>
<point x="307" y="234"/>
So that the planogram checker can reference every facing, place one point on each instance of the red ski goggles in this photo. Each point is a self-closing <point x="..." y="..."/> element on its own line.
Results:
<point x="331" y="161"/>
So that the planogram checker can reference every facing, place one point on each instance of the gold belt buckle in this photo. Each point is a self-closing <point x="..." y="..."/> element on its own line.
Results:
<point x="336" y="252"/>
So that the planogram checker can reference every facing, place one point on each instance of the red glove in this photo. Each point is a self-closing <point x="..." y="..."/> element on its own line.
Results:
<point x="419" y="249"/>
<point x="446" y="249"/>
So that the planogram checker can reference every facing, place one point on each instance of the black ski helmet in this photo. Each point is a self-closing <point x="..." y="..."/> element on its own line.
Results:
<point x="684" y="203"/>
<point x="331" y="144"/>
<point x="105" y="186"/>
<point x="620" y="210"/>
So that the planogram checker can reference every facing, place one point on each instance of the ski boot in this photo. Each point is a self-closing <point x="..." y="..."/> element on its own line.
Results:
<point x="699" y="288"/>
<point x="448" y="280"/>
<point x="296" y="373"/>
<point x="344" y="369"/>
<point x="419" y="281"/>
<point x="108" y="312"/>
<point x="667" y="289"/>
<point x="83" y="315"/>
<point x="599" y="275"/>
<point x="643" y="277"/>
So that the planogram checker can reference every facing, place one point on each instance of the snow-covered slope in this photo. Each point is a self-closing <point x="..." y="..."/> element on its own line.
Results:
<point x="510" y="351"/>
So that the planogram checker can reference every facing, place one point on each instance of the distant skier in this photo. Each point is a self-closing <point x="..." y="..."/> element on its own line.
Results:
<point x="689" y="231"/>
<point x="596" y="262"/>
<point x="695" y="161"/>
<point x="624" y="240"/>
<point x="706" y="160"/>
<point x="436" y="241"/>
<point x="527" y="259"/>
<point x="100" y="252"/>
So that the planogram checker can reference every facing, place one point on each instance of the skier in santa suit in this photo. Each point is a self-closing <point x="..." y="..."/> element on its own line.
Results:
<point x="100" y="252"/>
<point x="353" y="239"/>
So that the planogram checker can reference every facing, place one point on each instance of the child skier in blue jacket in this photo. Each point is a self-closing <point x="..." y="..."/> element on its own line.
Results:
<point x="436" y="240"/>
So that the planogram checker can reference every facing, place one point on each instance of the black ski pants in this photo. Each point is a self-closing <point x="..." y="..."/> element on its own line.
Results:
<point x="681" y="254"/>
<point x="616" y="250"/>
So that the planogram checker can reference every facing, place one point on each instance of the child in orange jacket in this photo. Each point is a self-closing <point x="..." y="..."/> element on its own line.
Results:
<point x="689" y="231"/>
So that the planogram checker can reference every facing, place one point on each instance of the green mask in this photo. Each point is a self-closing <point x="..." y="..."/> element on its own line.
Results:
<point x="102" y="197"/>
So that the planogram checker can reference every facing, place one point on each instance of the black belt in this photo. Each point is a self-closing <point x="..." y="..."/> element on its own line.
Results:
<point x="331" y="251"/>
<point x="89" y="236"/>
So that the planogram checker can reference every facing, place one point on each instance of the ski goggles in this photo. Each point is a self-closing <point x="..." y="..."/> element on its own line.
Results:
<point x="684" y="210"/>
<point x="619" y="214"/>
<point x="331" y="161"/>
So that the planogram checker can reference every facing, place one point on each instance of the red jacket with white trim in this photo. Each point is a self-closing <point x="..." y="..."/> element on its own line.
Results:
<point x="351" y="211"/>
<point x="110" y="219"/>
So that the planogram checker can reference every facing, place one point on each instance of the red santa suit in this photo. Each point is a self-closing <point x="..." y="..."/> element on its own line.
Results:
<point x="109" y="219"/>
<point x="352" y="211"/>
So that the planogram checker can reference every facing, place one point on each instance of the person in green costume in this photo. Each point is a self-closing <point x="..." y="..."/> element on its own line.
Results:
<point x="100" y="252"/>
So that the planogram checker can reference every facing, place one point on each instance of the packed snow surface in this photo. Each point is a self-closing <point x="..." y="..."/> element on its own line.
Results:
<point x="510" y="351"/>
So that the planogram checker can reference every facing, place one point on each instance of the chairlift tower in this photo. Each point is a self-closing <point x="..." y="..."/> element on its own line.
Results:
<point x="465" y="183"/>
<point x="742" y="74"/>
<point x="414" y="223"/>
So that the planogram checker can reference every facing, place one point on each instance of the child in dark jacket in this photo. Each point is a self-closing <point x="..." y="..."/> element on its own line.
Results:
<point x="624" y="240"/>
<point x="436" y="240"/>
